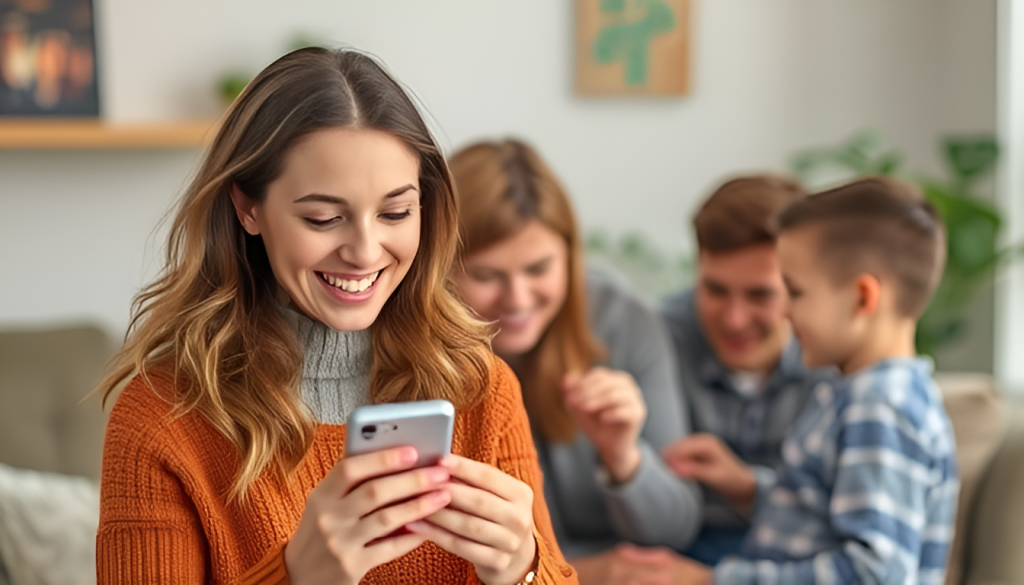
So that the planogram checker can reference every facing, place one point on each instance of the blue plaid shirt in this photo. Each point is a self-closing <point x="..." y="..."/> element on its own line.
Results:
<point x="867" y="488"/>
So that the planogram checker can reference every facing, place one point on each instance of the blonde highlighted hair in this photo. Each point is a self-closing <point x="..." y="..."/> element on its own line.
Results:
<point x="503" y="186"/>
<point x="212" y="320"/>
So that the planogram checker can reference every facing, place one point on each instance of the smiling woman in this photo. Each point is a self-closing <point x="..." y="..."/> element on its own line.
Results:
<point x="306" y="275"/>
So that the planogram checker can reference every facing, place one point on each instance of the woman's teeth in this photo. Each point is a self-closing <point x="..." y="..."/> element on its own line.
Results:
<point x="352" y="286"/>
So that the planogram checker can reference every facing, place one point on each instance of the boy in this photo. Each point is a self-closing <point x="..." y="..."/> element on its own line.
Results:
<point x="867" y="487"/>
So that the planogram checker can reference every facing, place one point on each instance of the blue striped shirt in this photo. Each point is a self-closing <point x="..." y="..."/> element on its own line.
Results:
<point x="866" y="490"/>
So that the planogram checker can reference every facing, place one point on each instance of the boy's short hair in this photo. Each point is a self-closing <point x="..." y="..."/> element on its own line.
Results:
<point x="880" y="225"/>
<point x="743" y="212"/>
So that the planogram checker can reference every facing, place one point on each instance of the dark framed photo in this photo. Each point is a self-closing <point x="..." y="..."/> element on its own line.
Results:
<point x="48" y="59"/>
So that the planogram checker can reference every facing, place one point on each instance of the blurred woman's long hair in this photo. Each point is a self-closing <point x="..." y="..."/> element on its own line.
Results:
<point x="212" y="320"/>
<point x="501" y="188"/>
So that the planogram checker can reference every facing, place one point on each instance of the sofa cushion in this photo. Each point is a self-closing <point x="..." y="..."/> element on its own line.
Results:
<point x="44" y="375"/>
<point x="48" y="525"/>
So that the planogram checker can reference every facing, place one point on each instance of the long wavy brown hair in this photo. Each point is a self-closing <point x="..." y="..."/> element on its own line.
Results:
<point x="503" y="186"/>
<point x="212" y="321"/>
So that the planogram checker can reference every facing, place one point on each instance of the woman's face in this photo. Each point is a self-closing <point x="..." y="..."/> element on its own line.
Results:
<point x="341" y="224"/>
<point x="520" y="282"/>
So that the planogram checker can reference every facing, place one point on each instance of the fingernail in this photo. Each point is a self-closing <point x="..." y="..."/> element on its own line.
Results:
<point x="417" y="526"/>
<point x="408" y="455"/>
<point x="440" y="497"/>
<point x="438" y="475"/>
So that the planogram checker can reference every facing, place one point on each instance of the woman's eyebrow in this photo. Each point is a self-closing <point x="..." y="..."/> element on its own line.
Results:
<point x="401" y="190"/>
<point x="324" y="198"/>
<point x="321" y="198"/>
<point x="540" y="263"/>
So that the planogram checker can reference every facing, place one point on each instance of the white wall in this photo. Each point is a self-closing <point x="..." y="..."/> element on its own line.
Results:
<point x="770" y="77"/>
<point x="1009" y="366"/>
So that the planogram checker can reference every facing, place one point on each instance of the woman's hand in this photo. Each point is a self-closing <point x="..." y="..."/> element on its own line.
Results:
<point x="608" y="407"/>
<point x="705" y="458"/>
<point x="347" y="525"/>
<point x="489" y="521"/>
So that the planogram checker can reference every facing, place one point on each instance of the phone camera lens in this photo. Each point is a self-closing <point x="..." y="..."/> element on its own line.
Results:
<point x="369" y="431"/>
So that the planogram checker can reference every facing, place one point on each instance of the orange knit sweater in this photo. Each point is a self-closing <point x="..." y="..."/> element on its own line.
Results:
<point x="164" y="517"/>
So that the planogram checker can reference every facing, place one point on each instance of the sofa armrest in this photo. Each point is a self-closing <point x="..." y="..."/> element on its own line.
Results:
<point x="977" y="410"/>
<point x="993" y="555"/>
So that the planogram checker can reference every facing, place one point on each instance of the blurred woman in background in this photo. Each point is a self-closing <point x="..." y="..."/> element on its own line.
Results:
<point x="594" y="363"/>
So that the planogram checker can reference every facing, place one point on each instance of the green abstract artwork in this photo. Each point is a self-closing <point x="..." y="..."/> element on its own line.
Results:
<point x="627" y="38"/>
<point x="632" y="47"/>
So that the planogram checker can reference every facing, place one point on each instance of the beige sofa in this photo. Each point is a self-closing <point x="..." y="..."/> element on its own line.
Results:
<point x="989" y="428"/>
<point x="44" y="374"/>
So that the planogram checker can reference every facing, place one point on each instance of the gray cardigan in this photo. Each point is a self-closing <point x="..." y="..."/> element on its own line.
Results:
<point x="654" y="507"/>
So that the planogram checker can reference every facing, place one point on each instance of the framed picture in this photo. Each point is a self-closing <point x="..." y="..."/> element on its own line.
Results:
<point x="632" y="47"/>
<point x="48" y="59"/>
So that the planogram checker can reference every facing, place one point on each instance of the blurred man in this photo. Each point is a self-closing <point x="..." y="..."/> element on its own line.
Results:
<point x="741" y="370"/>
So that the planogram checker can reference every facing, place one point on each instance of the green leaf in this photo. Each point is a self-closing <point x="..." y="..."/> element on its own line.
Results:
<point x="971" y="157"/>
<point x="889" y="164"/>
<point x="933" y="333"/>
<point x="598" y="241"/>
<point x="865" y="140"/>
<point x="232" y="84"/>
<point x="863" y="153"/>
<point x="972" y="246"/>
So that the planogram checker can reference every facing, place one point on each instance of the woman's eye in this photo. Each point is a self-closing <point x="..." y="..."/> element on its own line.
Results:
<point x="316" y="222"/>
<point x="539" y="270"/>
<point x="482" y="276"/>
<point x="396" y="216"/>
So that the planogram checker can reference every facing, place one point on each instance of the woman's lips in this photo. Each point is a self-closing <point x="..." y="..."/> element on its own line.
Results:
<point x="352" y="287"/>
<point x="515" y="323"/>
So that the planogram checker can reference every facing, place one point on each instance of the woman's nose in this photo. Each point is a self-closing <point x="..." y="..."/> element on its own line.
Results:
<point x="517" y="294"/>
<point x="362" y="247"/>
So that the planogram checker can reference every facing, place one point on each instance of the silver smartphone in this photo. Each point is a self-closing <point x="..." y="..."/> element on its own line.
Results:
<point x="426" y="425"/>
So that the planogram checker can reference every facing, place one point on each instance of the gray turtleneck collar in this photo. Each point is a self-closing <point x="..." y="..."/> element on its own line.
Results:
<point x="336" y="368"/>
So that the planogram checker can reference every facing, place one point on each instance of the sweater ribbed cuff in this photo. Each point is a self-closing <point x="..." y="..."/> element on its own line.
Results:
<point x="271" y="570"/>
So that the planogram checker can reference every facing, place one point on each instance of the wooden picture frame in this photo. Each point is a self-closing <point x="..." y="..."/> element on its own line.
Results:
<point x="632" y="47"/>
<point x="48" y="59"/>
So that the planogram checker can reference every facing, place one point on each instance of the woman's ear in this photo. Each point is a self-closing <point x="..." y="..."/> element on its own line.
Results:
<point x="245" y="209"/>
<point x="869" y="294"/>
